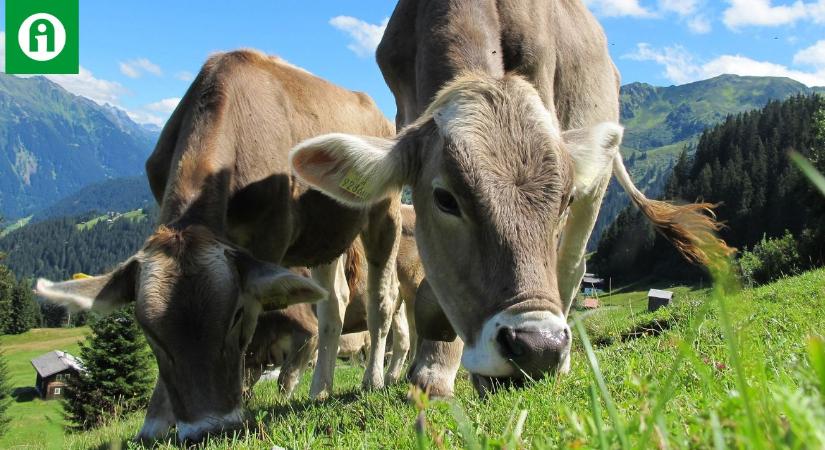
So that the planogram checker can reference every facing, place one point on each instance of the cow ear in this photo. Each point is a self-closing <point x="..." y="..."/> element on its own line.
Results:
<point x="593" y="150"/>
<point x="355" y="170"/>
<point x="430" y="321"/>
<point x="103" y="293"/>
<point x="275" y="287"/>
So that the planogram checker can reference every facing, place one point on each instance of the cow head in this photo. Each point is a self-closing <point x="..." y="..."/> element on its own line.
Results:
<point x="197" y="299"/>
<point x="492" y="179"/>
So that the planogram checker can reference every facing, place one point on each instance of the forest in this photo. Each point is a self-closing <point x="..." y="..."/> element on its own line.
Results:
<point x="742" y="165"/>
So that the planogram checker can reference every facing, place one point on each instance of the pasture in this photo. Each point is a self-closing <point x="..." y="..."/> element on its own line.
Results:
<point x="34" y="423"/>
<point x="701" y="374"/>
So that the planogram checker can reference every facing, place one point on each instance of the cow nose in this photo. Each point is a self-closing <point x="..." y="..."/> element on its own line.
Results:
<point x="534" y="351"/>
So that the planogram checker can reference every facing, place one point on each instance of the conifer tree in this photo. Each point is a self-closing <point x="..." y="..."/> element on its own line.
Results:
<point x="118" y="374"/>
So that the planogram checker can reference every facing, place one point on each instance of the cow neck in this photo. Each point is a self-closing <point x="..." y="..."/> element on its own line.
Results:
<point x="197" y="198"/>
<point x="464" y="36"/>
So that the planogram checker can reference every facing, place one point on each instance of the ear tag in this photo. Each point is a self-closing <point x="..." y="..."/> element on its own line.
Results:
<point x="356" y="184"/>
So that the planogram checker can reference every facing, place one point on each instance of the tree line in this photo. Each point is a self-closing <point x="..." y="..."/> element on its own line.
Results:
<point x="742" y="164"/>
<point x="57" y="249"/>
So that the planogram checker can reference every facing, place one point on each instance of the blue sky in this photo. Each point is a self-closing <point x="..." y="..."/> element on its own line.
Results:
<point x="141" y="55"/>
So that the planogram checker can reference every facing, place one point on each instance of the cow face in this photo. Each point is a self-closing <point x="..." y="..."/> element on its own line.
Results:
<point x="492" y="181"/>
<point x="197" y="300"/>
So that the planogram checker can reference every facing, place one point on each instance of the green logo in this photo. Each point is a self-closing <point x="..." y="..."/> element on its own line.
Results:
<point x="42" y="36"/>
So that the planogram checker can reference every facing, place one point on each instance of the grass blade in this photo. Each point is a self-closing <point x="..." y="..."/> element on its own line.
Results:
<point x="816" y="352"/>
<point x="599" y="378"/>
<point x="597" y="418"/>
<point x="718" y="435"/>
<point x="809" y="170"/>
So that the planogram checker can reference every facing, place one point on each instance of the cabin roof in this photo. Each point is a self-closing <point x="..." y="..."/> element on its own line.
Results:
<point x="656" y="293"/>
<point x="56" y="361"/>
<point x="592" y="280"/>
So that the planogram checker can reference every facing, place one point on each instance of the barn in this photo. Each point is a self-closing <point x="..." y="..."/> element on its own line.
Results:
<point x="53" y="370"/>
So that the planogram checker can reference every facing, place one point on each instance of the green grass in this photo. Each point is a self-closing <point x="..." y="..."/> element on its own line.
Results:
<point x="714" y="377"/>
<point x="16" y="225"/>
<point x="35" y="423"/>
<point x="133" y="216"/>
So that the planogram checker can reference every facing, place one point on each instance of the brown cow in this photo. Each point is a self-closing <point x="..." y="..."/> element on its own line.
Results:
<point x="232" y="214"/>
<point x="289" y="337"/>
<point x="510" y="109"/>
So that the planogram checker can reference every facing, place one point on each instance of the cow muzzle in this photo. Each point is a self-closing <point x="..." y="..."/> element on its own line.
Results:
<point x="523" y="345"/>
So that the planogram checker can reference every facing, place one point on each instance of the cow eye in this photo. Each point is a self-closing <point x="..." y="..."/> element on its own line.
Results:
<point x="445" y="202"/>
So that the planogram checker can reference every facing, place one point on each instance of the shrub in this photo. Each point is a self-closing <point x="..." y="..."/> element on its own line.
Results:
<point x="117" y="377"/>
<point x="771" y="259"/>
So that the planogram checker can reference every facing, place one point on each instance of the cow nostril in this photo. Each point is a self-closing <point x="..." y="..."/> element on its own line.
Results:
<point x="509" y="342"/>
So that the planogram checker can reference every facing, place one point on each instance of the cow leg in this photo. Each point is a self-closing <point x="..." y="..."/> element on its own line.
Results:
<point x="302" y="349"/>
<point x="381" y="239"/>
<point x="435" y="366"/>
<point x="330" y="323"/>
<point x="409" y="307"/>
<point x="571" y="266"/>
<point x="159" y="416"/>
<point x="400" y="345"/>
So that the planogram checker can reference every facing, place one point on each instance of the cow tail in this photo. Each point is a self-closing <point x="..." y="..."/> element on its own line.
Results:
<point x="691" y="228"/>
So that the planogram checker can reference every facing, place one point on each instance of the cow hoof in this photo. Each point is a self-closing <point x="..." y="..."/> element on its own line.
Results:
<point x="436" y="384"/>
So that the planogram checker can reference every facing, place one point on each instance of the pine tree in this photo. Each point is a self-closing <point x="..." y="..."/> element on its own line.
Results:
<point x="118" y="374"/>
<point x="5" y="394"/>
<point x="25" y="312"/>
<point x="7" y="285"/>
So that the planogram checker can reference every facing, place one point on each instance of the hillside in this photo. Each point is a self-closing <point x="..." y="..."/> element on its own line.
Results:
<point x="717" y="389"/>
<point x="53" y="143"/>
<point x="661" y="121"/>
<point x="743" y="165"/>
<point x="118" y="195"/>
<point x="57" y="248"/>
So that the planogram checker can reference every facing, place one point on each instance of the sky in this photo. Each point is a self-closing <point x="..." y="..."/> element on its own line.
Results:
<point x="142" y="55"/>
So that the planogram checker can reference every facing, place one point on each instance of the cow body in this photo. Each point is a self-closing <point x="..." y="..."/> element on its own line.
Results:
<point x="232" y="216"/>
<point x="508" y="113"/>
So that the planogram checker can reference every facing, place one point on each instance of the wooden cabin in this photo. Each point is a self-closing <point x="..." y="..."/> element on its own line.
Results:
<point x="658" y="299"/>
<point x="53" y="371"/>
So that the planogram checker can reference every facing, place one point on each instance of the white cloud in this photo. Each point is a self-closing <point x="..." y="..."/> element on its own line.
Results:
<point x="681" y="7"/>
<point x="184" y="76"/>
<point x="85" y="84"/>
<point x="682" y="67"/>
<point x="813" y="56"/>
<point x="165" y="106"/>
<point x="143" y="117"/>
<point x="742" y="13"/>
<point x="135" y="68"/>
<point x="699" y="25"/>
<point x="365" y="36"/>
<point x="618" y="8"/>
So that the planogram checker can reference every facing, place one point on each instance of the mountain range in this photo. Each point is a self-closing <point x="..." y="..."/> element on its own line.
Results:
<point x="54" y="143"/>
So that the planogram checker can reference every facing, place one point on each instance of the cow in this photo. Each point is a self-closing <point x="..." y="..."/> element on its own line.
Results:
<point x="232" y="217"/>
<point x="289" y="337"/>
<point x="508" y="111"/>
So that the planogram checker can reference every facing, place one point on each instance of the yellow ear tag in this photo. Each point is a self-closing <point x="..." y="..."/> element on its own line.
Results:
<point x="80" y="276"/>
<point x="356" y="184"/>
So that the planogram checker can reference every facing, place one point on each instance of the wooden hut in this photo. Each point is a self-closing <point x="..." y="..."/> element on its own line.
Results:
<point x="53" y="370"/>
<point x="658" y="299"/>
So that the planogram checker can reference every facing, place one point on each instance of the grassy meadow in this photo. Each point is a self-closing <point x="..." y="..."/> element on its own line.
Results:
<point x="35" y="423"/>
<point x="705" y="373"/>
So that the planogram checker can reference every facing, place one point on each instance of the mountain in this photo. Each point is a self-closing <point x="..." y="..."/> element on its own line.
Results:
<point x="662" y="121"/>
<point x="115" y="195"/>
<point x="53" y="143"/>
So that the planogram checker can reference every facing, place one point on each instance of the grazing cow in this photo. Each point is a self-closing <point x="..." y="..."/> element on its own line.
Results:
<point x="232" y="215"/>
<point x="288" y="337"/>
<point x="510" y="111"/>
